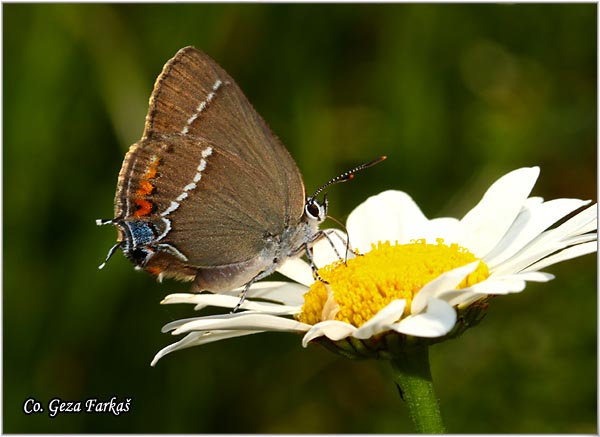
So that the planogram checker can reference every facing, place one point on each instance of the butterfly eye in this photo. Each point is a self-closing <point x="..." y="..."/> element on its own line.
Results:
<point x="314" y="210"/>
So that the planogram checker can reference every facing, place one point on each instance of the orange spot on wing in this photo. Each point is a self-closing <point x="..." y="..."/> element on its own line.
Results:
<point x="144" y="207"/>
<point x="145" y="188"/>
<point x="154" y="270"/>
<point x="152" y="169"/>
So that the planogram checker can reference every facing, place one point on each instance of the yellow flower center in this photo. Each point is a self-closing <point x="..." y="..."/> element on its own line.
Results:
<point x="359" y="289"/>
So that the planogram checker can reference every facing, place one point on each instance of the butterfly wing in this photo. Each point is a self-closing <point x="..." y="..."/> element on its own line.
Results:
<point x="209" y="180"/>
<point x="194" y="96"/>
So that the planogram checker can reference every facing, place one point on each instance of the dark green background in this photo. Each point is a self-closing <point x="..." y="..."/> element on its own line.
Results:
<point x="455" y="95"/>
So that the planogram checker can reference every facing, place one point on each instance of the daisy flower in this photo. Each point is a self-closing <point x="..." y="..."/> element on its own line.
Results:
<point x="413" y="280"/>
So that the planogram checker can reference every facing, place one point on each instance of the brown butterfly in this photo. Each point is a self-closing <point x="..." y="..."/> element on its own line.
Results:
<point x="209" y="193"/>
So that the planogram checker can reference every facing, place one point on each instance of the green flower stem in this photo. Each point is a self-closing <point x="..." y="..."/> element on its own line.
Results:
<point x="413" y="377"/>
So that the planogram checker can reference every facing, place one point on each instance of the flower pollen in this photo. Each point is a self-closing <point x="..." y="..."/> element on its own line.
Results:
<point x="364" y="285"/>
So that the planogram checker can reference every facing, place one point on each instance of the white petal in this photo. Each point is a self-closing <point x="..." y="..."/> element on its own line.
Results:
<point x="220" y="300"/>
<point x="286" y="293"/>
<point x="580" y="239"/>
<point x="534" y="276"/>
<point x="444" y="227"/>
<point x="531" y="221"/>
<point x="297" y="270"/>
<point x="197" y="339"/>
<point x="332" y="329"/>
<point x="589" y="227"/>
<point x="179" y="298"/>
<point x="466" y="299"/>
<point x="437" y="320"/>
<point x="383" y="320"/>
<point x="583" y="222"/>
<point x="540" y="250"/>
<point x="483" y="227"/>
<point x="446" y="281"/>
<point x="330" y="307"/>
<point x="389" y="216"/>
<point x="532" y="201"/>
<point x="504" y="285"/>
<point x="494" y="285"/>
<point x="244" y="321"/>
<point x="461" y="297"/>
<point x="571" y="252"/>
<point x="580" y="223"/>
<point x="180" y="322"/>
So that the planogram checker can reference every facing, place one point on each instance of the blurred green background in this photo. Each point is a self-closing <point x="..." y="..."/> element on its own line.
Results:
<point x="456" y="96"/>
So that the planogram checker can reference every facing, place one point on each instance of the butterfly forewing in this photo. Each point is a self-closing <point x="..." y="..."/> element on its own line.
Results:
<point x="195" y="97"/>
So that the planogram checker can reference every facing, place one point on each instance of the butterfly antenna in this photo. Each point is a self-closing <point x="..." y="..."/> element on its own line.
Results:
<point x="349" y="175"/>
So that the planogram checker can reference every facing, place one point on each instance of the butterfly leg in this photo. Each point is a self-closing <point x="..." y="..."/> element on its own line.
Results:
<point x="243" y="295"/>
<point x="345" y="241"/>
<point x="313" y="266"/>
<point x="258" y="277"/>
